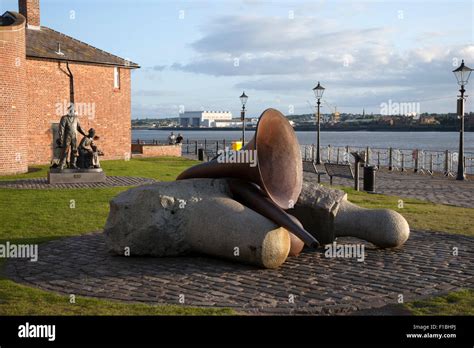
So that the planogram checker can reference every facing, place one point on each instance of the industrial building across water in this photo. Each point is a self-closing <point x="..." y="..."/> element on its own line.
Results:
<point x="213" y="119"/>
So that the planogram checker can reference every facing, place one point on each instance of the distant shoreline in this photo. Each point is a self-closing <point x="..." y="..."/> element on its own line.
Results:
<point x="324" y="129"/>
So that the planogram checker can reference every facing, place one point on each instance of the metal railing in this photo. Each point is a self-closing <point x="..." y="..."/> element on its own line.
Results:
<point x="416" y="160"/>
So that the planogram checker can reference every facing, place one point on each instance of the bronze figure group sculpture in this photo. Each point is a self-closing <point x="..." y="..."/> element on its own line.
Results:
<point x="74" y="155"/>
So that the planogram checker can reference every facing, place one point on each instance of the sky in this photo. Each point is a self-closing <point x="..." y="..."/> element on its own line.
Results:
<point x="201" y="55"/>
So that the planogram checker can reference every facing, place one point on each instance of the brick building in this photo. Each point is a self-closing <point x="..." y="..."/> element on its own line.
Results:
<point x="35" y="90"/>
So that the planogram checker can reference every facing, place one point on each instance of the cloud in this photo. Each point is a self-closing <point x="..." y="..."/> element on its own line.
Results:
<point x="159" y="67"/>
<point x="278" y="51"/>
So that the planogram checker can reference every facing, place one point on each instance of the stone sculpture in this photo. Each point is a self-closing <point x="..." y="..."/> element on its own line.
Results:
<point x="245" y="218"/>
<point x="327" y="214"/>
<point x="198" y="215"/>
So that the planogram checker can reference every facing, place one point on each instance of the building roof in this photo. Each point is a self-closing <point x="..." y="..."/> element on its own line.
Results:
<point x="51" y="44"/>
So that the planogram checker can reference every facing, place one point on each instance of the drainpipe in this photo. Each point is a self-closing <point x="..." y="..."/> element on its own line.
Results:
<point x="71" y="84"/>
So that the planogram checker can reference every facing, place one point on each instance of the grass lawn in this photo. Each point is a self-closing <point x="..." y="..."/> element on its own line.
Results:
<point x="421" y="215"/>
<point x="16" y="299"/>
<point x="34" y="216"/>
<point x="455" y="303"/>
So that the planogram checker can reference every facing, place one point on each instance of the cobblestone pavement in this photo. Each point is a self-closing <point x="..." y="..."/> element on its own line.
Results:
<point x="425" y="266"/>
<point x="42" y="183"/>
<point x="436" y="189"/>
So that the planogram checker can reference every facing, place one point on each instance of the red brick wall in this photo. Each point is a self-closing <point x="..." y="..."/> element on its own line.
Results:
<point x="48" y="88"/>
<point x="13" y="102"/>
<point x="157" y="150"/>
<point x="31" y="10"/>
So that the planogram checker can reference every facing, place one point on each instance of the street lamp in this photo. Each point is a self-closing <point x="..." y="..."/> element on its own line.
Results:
<point x="243" y="100"/>
<point x="318" y="92"/>
<point x="462" y="74"/>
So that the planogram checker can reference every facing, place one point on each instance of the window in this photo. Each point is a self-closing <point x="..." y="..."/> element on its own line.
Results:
<point x="116" y="78"/>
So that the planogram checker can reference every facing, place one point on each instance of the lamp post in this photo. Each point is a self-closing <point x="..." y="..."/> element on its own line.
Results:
<point x="243" y="99"/>
<point x="462" y="74"/>
<point x="318" y="92"/>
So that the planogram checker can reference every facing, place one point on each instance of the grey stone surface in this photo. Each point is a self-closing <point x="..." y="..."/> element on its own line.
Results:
<point x="326" y="213"/>
<point x="424" y="266"/>
<point x="174" y="218"/>
<point x="316" y="209"/>
<point x="383" y="227"/>
<point x="76" y="176"/>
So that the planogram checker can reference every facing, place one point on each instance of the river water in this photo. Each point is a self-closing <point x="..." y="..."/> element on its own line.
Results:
<point x="399" y="140"/>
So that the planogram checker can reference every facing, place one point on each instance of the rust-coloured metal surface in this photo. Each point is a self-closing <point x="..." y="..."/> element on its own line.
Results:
<point x="251" y="196"/>
<point x="279" y="169"/>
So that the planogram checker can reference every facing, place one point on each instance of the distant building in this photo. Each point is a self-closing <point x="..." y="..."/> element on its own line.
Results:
<point x="428" y="120"/>
<point x="233" y="123"/>
<point x="203" y="118"/>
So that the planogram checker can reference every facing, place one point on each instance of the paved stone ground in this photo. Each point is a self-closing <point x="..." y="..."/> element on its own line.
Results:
<point x="42" y="183"/>
<point x="436" y="189"/>
<point x="424" y="266"/>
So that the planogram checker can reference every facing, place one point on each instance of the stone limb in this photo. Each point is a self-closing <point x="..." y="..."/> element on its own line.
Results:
<point x="327" y="214"/>
<point x="383" y="227"/>
<point x="174" y="218"/>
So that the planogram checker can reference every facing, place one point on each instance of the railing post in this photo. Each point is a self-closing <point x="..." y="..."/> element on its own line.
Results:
<point x="446" y="163"/>
<point x="337" y="156"/>
<point x="205" y="145"/>
<point x="196" y="149"/>
<point x="217" y="146"/>
<point x="329" y="154"/>
<point x="367" y="156"/>
<point x="356" y="175"/>
<point x="223" y="144"/>
<point x="187" y="146"/>
<point x="415" y="155"/>
<point x="312" y="153"/>
<point x="403" y="161"/>
<point x="378" y="159"/>
<point x="431" y="163"/>
<point x="348" y="153"/>
<point x="390" y="159"/>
